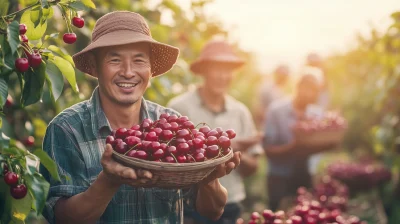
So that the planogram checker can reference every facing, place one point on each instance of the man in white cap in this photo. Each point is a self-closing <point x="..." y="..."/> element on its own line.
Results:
<point x="210" y="103"/>
<point x="94" y="188"/>
<point x="287" y="158"/>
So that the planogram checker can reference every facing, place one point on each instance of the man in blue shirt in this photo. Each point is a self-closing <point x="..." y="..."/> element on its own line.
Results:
<point x="287" y="158"/>
<point x="94" y="188"/>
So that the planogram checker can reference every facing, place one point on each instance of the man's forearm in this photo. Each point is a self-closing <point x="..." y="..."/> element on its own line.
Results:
<point x="88" y="206"/>
<point x="248" y="165"/>
<point x="211" y="200"/>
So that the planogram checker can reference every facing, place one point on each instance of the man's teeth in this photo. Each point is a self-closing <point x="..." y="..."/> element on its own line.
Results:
<point x="126" y="84"/>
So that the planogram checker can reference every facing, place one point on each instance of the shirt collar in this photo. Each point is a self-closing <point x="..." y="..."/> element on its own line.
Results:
<point x="98" y="115"/>
<point x="227" y="103"/>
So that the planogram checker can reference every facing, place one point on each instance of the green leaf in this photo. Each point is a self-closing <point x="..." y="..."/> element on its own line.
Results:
<point x="1" y="122"/>
<point x="67" y="70"/>
<point x="36" y="15"/>
<point x="40" y="127"/>
<point x="13" y="35"/>
<point x="48" y="12"/>
<point x="39" y="188"/>
<point x="48" y="163"/>
<point x="53" y="35"/>
<point x="54" y="80"/>
<point x="79" y="6"/>
<point x="33" y="87"/>
<point x="4" y="4"/>
<point x="8" y="56"/>
<point x="33" y="33"/>
<point x="58" y="50"/>
<point x="3" y="92"/>
<point x="20" y="208"/>
<point x="44" y="4"/>
<point x="4" y="142"/>
<point x="89" y="4"/>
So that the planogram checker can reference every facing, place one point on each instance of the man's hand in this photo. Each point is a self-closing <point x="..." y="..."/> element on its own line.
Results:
<point x="243" y="144"/>
<point x="224" y="169"/>
<point x="117" y="174"/>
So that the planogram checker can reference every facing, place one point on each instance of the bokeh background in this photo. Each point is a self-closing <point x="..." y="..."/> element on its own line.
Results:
<point x="359" y="41"/>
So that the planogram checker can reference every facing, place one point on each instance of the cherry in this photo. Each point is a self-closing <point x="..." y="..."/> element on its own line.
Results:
<point x="252" y="222"/>
<point x="213" y="133"/>
<point x="141" y="155"/>
<point x="180" y="140"/>
<point x="30" y="141"/>
<point x="22" y="29"/>
<point x="322" y="217"/>
<point x="199" y="134"/>
<point x="184" y="133"/>
<point x="164" y="115"/>
<point x="231" y="133"/>
<point x="166" y="135"/>
<point x="69" y="38"/>
<point x="181" y="159"/>
<point x="158" y="131"/>
<point x="151" y="136"/>
<point x="36" y="60"/>
<point x="110" y="140"/>
<point x="278" y="221"/>
<point x="296" y="219"/>
<point x="136" y="127"/>
<point x="163" y="146"/>
<point x="224" y="134"/>
<point x="198" y="143"/>
<point x="121" y="133"/>
<point x="22" y="64"/>
<point x="311" y="220"/>
<point x="224" y="142"/>
<point x="313" y="213"/>
<point x="172" y="118"/>
<point x="315" y="205"/>
<point x="154" y="146"/>
<point x="132" y="141"/>
<point x="161" y="122"/>
<point x="183" y="148"/>
<point x="24" y="39"/>
<point x="212" y="151"/>
<point x="226" y="151"/>
<point x="138" y="134"/>
<point x="171" y="150"/>
<point x="18" y="191"/>
<point x="194" y="131"/>
<point x="11" y="178"/>
<point x="190" y="143"/>
<point x="130" y="132"/>
<point x="146" y="145"/>
<point x="147" y="120"/>
<point x="202" y="151"/>
<point x="301" y="190"/>
<point x="182" y="120"/>
<point x="255" y="216"/>
<point x="354" y="220"/>
<point x="146" y="126"/>
<point x="188" y="125"/>
<point x="78" y="22"/>
<point x="219" y="130"/>
<point x="166" y="126"/>
<point x="9" y="101"/>
<point x="131" y="153"/>
<point x="120" y="146"/>
<point x="191" y="159"/>
<point x="204" y="129"/>
<point x="199" y="157"/>
<point x="169" y="159"/>
<point x="212" y="140"/>
<point x="174" y="126"/>
<point x="158" y="154"/>
<point x="280" y="214"/>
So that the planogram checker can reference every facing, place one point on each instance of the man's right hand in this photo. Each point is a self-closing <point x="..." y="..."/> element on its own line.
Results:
<point x="118" y="174"/>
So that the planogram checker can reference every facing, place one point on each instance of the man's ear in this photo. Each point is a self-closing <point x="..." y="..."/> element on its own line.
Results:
<point x="92" y="63"/>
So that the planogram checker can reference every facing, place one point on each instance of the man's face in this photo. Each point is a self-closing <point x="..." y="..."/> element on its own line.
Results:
<point x="308" y="90"/>
<point x="218" y="77"/>
<point x="123" y="72"/>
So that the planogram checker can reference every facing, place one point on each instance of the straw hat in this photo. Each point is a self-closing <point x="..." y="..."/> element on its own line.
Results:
<point x="216" y="51"/>
<point x="123" y="27"/>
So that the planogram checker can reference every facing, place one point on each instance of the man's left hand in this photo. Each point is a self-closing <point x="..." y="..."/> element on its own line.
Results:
<point x="224" y="169"/>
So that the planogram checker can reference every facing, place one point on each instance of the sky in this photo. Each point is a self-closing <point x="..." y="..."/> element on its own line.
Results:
<point x="285" y="31"/>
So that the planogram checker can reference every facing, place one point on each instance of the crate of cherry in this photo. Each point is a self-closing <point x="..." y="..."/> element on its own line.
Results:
<point x="176" y="151"/>
<point x="329" y="129"/>
<point x="360" y="176"/>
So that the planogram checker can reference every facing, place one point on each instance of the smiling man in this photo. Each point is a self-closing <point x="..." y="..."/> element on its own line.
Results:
<point x="94" y="188"/>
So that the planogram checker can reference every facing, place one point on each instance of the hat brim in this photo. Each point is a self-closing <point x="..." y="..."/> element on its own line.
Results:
<point x="200" y="65"/>
<point x="162" y="56"/>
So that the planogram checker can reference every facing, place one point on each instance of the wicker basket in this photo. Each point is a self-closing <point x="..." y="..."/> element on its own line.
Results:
<point x="321" y="138"/>
<point x="173" y="175"/>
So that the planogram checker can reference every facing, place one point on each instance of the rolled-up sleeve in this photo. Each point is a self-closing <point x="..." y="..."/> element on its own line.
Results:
<point x="62" y="147"/>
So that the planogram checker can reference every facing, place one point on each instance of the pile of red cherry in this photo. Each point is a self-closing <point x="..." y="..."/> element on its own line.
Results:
<point x="17" y="191"/>
<point x="330" y="121"/>
<point x="171" y="139"/>
<point x="325" y="205"/>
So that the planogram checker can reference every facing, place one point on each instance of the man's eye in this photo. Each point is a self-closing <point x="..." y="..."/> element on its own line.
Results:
<point x="115" y="60"/>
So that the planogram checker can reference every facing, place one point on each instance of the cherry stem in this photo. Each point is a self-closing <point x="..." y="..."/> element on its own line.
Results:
<point x="174" y="158"/>
<point x="202" y="123"/>
<point x="173" y="138"/>
<point x="10" y="169"/>
<point x="192" y="157"/>
<point x="131" y="149"/>
<point x="29" y="7"/>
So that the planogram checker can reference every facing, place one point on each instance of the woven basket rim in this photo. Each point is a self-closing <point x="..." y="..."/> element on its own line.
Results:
<point x="151" y="165"/>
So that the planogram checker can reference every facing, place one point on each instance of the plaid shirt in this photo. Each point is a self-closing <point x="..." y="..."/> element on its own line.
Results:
<point x="75" y="140"/>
